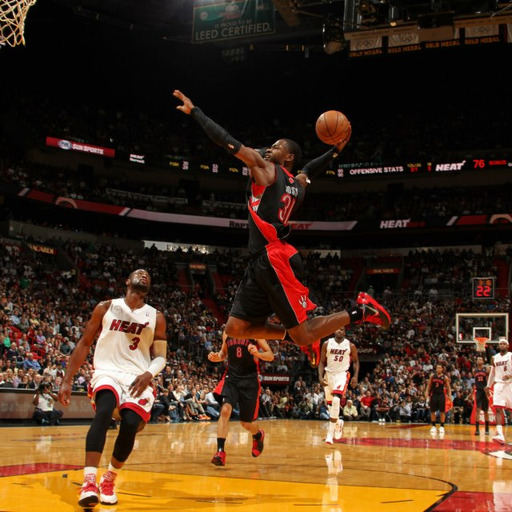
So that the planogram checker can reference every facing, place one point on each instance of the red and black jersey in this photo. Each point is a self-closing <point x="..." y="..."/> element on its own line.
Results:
<point x="271" y="207"/>
<point x="480" y="378"/>
<point x="437" y="385"/>
<point x="241" y="363"/>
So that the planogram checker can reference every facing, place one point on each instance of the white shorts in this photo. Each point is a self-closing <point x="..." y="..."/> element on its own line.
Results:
<point x="502" y="395"/>
<point x="337" y="384"/>
<point x="120" y="383"/>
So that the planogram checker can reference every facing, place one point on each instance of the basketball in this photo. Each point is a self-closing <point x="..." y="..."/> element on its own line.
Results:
<point x="332" y="127"/>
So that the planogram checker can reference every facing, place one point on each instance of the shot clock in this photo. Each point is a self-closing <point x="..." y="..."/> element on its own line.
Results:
<point x="483" y="287"/>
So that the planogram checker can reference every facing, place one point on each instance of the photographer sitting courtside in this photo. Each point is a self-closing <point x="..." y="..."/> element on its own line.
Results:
<point x="45" y="414"/>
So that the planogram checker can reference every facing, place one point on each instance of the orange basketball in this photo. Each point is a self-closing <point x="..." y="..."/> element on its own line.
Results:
<point x="332" y="127"/>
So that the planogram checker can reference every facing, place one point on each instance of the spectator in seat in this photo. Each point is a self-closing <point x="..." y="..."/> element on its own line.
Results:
<point x="44" y="399"/>
<point x="350" y="411"/>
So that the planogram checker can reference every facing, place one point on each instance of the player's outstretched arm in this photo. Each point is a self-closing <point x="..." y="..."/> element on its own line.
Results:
<point x="262" y="171"/>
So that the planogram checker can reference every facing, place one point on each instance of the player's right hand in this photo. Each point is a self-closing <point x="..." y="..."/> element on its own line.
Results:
<point x="187" y="106"/>
<point x="65" y="393"/>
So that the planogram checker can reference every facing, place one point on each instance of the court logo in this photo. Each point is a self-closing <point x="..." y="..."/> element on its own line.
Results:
<point x="64" y="144"/>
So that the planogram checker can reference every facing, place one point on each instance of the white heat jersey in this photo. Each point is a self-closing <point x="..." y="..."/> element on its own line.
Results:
<point x="503" y="367"/>
<point x="125" y="339"/>
<point x="338" y="356"/>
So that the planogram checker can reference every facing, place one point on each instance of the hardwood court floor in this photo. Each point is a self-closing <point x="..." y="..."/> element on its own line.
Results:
<point x="375" y="468"/>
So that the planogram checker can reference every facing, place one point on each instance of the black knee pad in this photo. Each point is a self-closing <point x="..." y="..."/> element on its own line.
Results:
<point x="130" y="425"/>
<point x="106" y="402"/>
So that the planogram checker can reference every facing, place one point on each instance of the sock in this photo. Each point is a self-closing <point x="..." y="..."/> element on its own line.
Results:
<point x="355" y="315"/>
<point x="442" y="424"/>
<point x="499" y="429"/>
<point x="221" y="441"/>
<point x="433" y="423"/>
<point x="477" y="425"/>
<point x="90" y="470"/>
<point x="331" y="427"/>
<point x="486" y="425"/>
<point x="114" y="470"/>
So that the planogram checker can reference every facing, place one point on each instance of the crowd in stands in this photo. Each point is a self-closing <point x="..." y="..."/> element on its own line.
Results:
<point x="158" y="130"/>
<point x="151" y="132"/>
<point x="416" y="203"/>
<point x="44" y="310"/>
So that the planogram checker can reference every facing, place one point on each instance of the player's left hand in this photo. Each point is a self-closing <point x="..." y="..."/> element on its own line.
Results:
<point x="140" y="383"/>
<point x="353" y="382"/>
<point x="253" y="350"/>
<point x="303" y="180"/>
<point x="342" y="143"/>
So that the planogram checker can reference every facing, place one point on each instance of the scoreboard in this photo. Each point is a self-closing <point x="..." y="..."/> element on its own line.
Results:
<point x="483" y="287"/>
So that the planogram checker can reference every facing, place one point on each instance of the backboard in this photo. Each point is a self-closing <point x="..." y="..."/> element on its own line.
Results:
<point x="470" y="326"/>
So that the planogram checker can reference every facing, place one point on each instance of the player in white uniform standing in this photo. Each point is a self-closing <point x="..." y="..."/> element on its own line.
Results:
<point x="333" y="373"/>
<point x="501" y="377"/>
<point x="130" y="351"/>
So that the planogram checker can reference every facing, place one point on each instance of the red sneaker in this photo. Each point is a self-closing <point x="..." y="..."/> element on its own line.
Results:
<point x="219" y="459"/>
<point x="373" y="312"/>
<point x="313" y="353"/>
<point x="108" y="488"/>
<point x="257" y="445"/>
<point x="89" y="492"/>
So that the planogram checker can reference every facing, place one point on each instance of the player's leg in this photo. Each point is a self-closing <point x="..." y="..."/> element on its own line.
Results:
<point x="131" y="423"/>
<point x="105" y="402"/>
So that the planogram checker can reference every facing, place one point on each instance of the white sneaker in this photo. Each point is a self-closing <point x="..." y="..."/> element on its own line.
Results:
<point x="499" y="438"/>
<point x="328" y="439"/>
<point x="433" y="430"/>
<point x="441" y="430"/>
<point x="107" y="488"/>
<point x="89" y="492"/>
<point x="338" y="430"/>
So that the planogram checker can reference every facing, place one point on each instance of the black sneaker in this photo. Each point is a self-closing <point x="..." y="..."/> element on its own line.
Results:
<point x="257" y="445"/>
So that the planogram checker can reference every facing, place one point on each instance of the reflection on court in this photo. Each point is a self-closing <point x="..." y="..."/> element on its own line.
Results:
<point x="376" y="467"/>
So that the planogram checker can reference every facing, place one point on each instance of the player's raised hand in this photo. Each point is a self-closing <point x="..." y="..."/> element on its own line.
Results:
<point x="187" y="106"/>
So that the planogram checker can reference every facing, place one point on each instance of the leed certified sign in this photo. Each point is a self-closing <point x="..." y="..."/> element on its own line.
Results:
<point x="216" y="21"/>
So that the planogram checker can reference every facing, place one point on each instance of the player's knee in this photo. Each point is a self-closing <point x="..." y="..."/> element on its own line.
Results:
<point x="235" y="328"/>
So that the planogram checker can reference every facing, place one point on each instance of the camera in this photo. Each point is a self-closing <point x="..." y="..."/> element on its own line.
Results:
<point x="44" y="386"/>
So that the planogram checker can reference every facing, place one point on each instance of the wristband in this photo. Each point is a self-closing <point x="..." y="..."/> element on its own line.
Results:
<point x="156" y="365"/>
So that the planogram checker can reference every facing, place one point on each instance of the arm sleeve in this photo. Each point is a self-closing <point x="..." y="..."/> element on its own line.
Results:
<point x="215" y="132"/>
<point x="490" y="380"/>
<point x="316" y="166"/>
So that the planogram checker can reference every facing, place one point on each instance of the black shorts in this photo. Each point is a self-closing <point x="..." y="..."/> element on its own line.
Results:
<point x="437" y="402"/>
<point x="482" y="402"/>
<point x="272" y="284"/>
<point x="242" y="391"/>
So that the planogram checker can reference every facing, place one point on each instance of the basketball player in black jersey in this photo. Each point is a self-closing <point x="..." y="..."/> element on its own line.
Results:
<point x="437" y="388"/>
<point x="273" y="279"/>
<point x="240" y="385"/>
<point x="481" y="374"/>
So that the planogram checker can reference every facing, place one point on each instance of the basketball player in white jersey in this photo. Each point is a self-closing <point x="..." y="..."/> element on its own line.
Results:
<point x="333" y="373"/>
<point x="131" y="350"/>
<point x="501" y="377"/>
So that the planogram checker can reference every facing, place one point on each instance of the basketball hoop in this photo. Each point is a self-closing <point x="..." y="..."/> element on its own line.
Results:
<point x="481" y="343"/>
<point x="12" y="21"/>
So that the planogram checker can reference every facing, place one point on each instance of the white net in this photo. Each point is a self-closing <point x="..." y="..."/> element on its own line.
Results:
<point x="481" y="343"/>
<point x="12" y="21"/>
